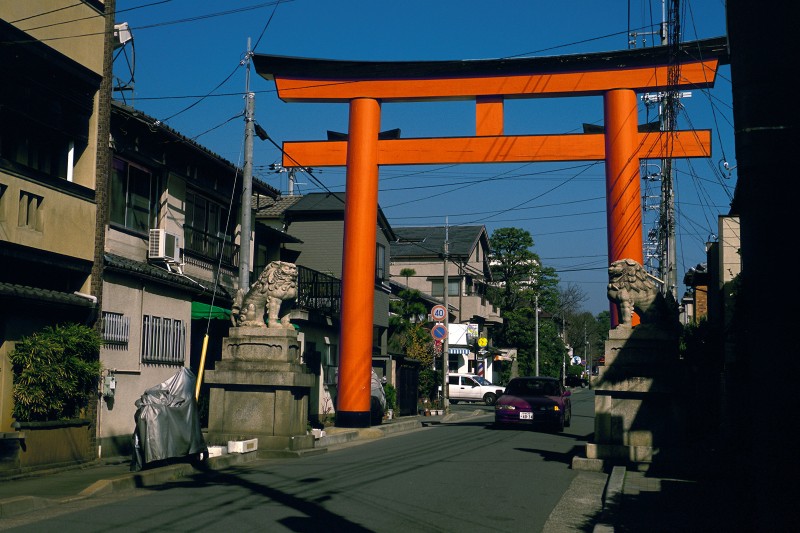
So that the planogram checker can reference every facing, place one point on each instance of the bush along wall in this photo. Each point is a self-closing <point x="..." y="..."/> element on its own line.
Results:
<point x="56" y="372"/>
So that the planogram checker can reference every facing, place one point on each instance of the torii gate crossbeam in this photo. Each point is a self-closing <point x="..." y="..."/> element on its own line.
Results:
<point x="617" y="76"/>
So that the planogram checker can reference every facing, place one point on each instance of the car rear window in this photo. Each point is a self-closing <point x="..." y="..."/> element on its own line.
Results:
<point x="532" y="387"/>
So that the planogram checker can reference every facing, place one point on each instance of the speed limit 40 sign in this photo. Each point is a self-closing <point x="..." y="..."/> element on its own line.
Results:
<point x="438" y="313"/>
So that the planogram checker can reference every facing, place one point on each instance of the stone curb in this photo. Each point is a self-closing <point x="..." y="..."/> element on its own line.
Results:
<point x="612" y="499"/>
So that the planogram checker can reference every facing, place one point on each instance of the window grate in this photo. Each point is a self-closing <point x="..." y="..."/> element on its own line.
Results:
<point x="116" y="330"/>
<point x="163" y="340"/>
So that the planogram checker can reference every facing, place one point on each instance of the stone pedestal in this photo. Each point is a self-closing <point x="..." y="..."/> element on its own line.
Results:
<point x="260" y="390"/>
<point x="639" y="400"/>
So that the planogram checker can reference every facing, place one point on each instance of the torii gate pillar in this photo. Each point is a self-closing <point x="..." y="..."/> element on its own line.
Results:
<point x="358" y="263"/>
<point x="623" y="191"/>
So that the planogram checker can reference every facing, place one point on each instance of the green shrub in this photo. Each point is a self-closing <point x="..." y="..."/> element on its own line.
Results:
<point x="55" y="373"/>
<point x="391" y="396"/>
<point x="428" y="381"/>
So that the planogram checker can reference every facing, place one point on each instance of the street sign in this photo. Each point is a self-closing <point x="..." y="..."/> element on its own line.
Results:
<point x="439" y="313"/>
<point x="439" y="332"/>
<point x="482" y="342"/>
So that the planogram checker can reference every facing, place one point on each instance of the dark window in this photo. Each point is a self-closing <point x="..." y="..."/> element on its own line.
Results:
<point x="31" y="146"/>
<point x="30" y="213"/>
<point x="380" y="262"/>
<point x="206" y="228"/>
<point x="134" y="196"/>
<point x="438" y="284"/>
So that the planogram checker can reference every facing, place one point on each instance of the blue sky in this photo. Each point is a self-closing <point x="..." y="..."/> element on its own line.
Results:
<point x="189" y="72"/>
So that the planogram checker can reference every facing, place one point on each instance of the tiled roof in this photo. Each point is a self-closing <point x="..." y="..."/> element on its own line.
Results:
<point x="319" y="203"/>
<point x="274" y="207"/>
<point x="428" y="241"/>
<point x="161" y="275"/>
<point x="34" y="293"/>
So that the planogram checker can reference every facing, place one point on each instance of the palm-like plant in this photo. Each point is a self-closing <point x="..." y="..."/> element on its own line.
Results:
<point x="55" y="372"/>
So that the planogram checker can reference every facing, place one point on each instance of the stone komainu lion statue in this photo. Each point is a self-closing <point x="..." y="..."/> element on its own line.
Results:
<point x="632" y="290"/>
<point x="276" y="284"/>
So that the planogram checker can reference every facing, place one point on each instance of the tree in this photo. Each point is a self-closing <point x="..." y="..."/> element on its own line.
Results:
<point x="513" y="265"/>
<point x="407" y="273"/>
<point x="566" y="309"/>
<point x="409" y="334"/>
<point x="520" y="332"/>
<point x="521" y="284"/>
<point x="407" y="311"/>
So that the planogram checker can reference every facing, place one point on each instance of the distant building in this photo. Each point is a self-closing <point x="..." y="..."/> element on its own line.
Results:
<point x="421" y="248"/>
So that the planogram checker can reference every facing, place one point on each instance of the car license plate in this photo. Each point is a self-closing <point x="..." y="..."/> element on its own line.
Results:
<point x="526" y="416"/>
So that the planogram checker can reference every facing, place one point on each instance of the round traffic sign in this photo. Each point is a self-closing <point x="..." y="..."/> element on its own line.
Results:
<point x="439" y="331"/>
<point x="438" y="313"/>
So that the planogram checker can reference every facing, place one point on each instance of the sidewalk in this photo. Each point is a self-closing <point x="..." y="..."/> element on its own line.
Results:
<point x="700" y="496"/>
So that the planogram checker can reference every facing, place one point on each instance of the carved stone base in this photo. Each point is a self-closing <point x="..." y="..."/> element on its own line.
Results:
<point x="639" y="404"/>
<point x="260" y="390"/>
<point x="261" y="344"/>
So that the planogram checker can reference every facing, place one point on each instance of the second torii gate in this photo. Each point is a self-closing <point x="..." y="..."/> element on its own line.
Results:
<point x="366" y="85"/>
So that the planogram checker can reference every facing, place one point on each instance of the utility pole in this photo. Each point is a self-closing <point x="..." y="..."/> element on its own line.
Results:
<point x="247" y="179"/>
<point x="536" y="300"/>
<point x="666" y="248"/>
<point x="446" y="341"/>
<point x="103" y="162"/>
<point x="669" y="109"/>
<point x="585" y="358"/>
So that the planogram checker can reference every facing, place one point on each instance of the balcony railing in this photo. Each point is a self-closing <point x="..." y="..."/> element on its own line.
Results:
<point x="209" y="246"/>
<point x="319" y="292"/>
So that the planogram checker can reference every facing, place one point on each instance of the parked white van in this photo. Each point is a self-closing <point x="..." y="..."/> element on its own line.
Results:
<point x="472" y="388"/>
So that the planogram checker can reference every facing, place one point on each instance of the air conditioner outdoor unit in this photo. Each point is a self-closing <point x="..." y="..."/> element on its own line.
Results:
<point x="163" y="245"/>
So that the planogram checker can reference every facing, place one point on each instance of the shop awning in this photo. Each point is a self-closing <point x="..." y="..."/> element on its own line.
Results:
<point x="202" y="311"/>
<point x="459" y="351"/>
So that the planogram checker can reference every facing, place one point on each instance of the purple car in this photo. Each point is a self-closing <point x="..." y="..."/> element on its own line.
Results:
<point x="534" y="401"/>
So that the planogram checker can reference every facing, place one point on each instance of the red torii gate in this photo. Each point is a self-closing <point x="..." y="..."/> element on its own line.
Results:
<point x="365" y="85"/>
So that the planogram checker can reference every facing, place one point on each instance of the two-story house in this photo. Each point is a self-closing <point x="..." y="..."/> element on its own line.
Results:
<point x="49" y="108"/>
<point x="171" y="262"/>
<point x="422" y="248"/>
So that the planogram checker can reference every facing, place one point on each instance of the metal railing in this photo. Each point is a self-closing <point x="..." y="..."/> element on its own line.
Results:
<point x="208" y="245"/>
<point x="318" y="291"/>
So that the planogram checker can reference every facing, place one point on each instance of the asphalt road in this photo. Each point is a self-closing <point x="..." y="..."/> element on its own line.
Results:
<point x="466" y="476"/>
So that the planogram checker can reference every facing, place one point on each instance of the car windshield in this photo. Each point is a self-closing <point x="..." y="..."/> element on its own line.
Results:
<point x="482" y="380"/>
<point x="532" y="387"/>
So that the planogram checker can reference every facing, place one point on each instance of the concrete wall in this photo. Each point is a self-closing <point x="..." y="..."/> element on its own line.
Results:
<point x="133" y="299"/>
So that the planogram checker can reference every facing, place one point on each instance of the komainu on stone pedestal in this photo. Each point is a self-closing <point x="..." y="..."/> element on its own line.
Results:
<point x="630" y="287"/>
<point x="276" y="285"/>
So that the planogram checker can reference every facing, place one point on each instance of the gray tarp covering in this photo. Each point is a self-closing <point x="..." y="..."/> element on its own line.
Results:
<point x="167" y="421"/>
<point x="377" y="400"/>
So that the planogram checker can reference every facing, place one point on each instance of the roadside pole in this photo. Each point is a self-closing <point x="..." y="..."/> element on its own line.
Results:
<point x="446" y="340"/>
